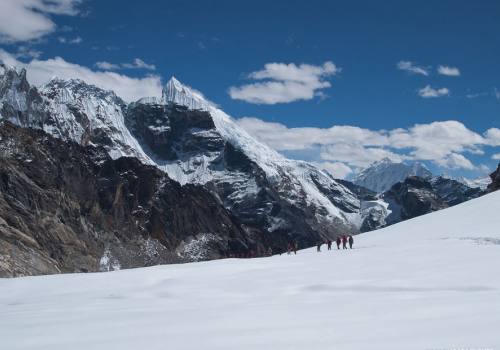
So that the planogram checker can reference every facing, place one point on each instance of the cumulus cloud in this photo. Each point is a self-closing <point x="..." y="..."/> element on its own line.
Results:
<point x="283" y="138"/>
<point x="443" y="142"/>
<point x="493" y="136"/>
<point x="436" y="140"/>
<point x="412" y="68"/>
<point x="448" y="71"/>
<point x="284" y="83"/>
<point x="136" y="64"/>
<point x="128" y="88"/>
<point x="455" y="161"/>
<point x="496" y="156"/>
<point x="429" y="92"/>
<point x="22" y="20"/>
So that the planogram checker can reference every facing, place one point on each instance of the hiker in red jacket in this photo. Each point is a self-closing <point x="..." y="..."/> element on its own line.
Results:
<point x="344" y="242"/>
<point x="338" y="242"/>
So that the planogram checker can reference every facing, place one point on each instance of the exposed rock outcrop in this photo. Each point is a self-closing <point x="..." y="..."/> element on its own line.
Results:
<point x="410" y="198"/>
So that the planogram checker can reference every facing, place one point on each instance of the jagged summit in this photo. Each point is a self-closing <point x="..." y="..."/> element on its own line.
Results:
<point x="12" y="77"/>
<point x="178" y="93"/>
<point x="70" y="88"/>
<point x="6" y="68"/>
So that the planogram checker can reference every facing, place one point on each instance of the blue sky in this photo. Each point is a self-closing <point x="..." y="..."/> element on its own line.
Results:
<point x="372" y="65"/>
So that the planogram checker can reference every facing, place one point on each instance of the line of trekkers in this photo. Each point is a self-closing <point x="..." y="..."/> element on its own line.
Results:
<point x="344" y="240"/>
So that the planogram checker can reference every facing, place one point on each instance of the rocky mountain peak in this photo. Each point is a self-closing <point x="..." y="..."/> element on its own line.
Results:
<point x="12" y="78"/>
<point x="175" y="92"/>
<point x="381" y="175"/>
<point x="65" y="90"/>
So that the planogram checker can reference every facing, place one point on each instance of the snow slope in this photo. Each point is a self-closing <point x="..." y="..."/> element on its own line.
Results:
<point x="427" y="283"/>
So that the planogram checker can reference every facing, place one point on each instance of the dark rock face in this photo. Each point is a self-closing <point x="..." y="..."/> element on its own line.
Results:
<point x="173" y="134"/>
<point x="453" y="192"/>
<point x="363" y="193"/>
<point x="411" y="198"/>
<point x="68" y="208"/>
<point x="495" y="180"/>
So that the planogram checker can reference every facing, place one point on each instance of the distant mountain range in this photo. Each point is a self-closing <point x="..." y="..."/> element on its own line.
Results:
<point x="380" y="176"/>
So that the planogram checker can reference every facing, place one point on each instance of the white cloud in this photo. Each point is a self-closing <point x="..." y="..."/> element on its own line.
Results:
<point x="448" y="71"/>
<point x="75" y="40"/>
<point x="496" y="156"/>
<point x="436" y="140"/>
<point x="107" y="65"/>
<point x="357" y="154"/>
<point x="493" y="136"/>
<point x="128" y="88"/>
<point x="284" y="83"/>
<point x="410" y="67"/>
<point x="337" y="169"/>
<point x="429" y="92"/>
<point x="22" y="20"/>
<point x="441" y="142"/>
<point x="455" y="161"/>
<point x="136" y="64"/>
<point x="283" y="138"/>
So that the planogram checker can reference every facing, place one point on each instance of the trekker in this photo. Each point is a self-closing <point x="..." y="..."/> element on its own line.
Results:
<point x="289" y="248"/>
<point x="329" y="243"/>
<point x="295" y="247"/>
<point x="318" y="247"/>
<point x="269" y="251"/>
<point x="344" y="242"/>
<point x="338" y="242"/>
<point x="351" y="241"/>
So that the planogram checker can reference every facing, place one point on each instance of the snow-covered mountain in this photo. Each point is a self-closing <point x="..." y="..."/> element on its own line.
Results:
<point x="481" y="182"/>
<point x="381" y="175"/>
<point x="196" y="142"/>
<point x="193" y="141"/>
<point x="426" y="283"/>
